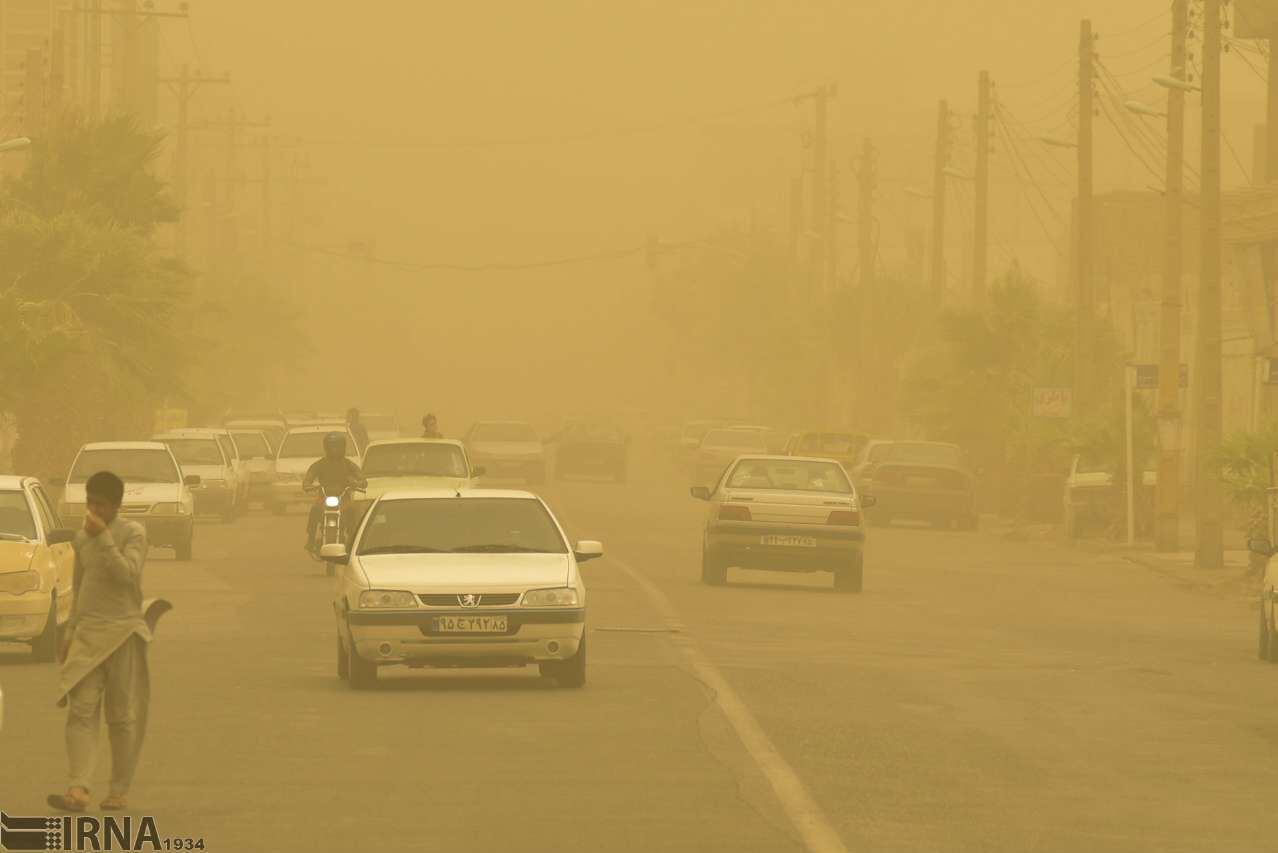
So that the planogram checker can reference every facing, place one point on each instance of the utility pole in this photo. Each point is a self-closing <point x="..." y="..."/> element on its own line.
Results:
<point x="819" y="215"/>
<point x="941" y="160"/>
<point x="1167" y="492"/>
<point x="832" y="226"/>
<point x="1271" y="110"/>
<point x="1083" y="219"/>
<point x="1210" y="545"/>
<point x="980" y="213"/>
<point x="184" y="87"/>
<point x="866" y="179"/>
<point x="266" y="194"/>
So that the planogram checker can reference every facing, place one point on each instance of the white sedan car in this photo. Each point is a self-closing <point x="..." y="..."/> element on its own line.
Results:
<point x="462" y="578"/>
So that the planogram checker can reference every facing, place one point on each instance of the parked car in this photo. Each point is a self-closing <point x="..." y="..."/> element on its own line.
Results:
<point x="784" y="513"/>
<point x="301" y="447"/>
<point x="476" y="578"/>
<point x="37" y="566"/>
<point x="842" y="446"/>
<point x="1092" y="502"/>
<point x="720" y="447"/>
<point x="199" y="452"/>
<point x="258" y="458"/>
<point x="591" y="449"/>
<point x="924" y="480"/>
<point x="156" y="494"/>
<point x="507" y="449"/>
<point x="414" y="463"/>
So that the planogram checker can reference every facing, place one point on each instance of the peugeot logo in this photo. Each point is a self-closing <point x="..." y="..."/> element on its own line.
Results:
<point x="468" y="600"/>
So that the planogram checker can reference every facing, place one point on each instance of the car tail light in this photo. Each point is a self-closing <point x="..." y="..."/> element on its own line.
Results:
<point x="734" y="512"/>
<point x="845" y="516"/>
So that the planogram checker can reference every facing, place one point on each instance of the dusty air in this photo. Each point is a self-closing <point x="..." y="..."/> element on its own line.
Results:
<point x="645" y="425"/>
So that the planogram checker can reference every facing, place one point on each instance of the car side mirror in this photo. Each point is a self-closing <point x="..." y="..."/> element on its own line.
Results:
<point x="60" y="536"/>
<point x="701" y="493"/>
<point x="587" y="549"/>
<point x="1260" y="545"/>
<point x="868" y="501"/>
<point x="334" y="552"/>
<point x="191" y="480"/>
<point x="478" y="471"/>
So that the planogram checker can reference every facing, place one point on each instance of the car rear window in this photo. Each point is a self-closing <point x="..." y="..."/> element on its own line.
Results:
<point x="309" y="445"/>
<point x="461" y="525"/>
<point x="790" y="476"/>
<point x="195" y="451"/>
<point x="252" y="445"/>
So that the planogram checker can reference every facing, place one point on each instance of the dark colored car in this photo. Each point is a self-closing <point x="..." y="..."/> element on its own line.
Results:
<point x="591" y="450"/>
<point x="925" y="480"/>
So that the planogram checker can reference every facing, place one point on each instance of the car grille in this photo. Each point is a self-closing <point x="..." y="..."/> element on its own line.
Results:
<point x="491" y="599"/>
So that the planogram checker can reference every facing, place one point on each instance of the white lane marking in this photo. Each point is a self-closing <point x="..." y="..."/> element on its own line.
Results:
<point x="819" y="836"/>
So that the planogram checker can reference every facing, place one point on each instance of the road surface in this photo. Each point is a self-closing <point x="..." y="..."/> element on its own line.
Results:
<point x="981" y="694"/>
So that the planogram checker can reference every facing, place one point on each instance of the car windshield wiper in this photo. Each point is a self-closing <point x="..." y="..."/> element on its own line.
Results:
<point x="499" y="549"/>
<point x="399" y="549"/>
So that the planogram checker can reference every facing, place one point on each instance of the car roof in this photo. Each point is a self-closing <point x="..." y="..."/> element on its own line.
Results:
<point x="196" y="431"/>
<point x="383" y="442"/>
<point x="125" y="445"/>
<point x="317" y="428"/>
<point x="207" y="435"/>
<point x="418" y="494"/>
<point x="775" y="457"/>
<point x="244" y="422"/>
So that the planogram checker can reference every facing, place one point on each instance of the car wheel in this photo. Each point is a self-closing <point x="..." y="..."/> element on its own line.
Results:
<point x="182" y="550"/>
<point x="848" y="578"/>
<point x="363" y="675"/>
<point x="713" y="569"/>
<point x="44" y="648"/>
<point x="343" y="661"/>
<point x="568" y="673"/>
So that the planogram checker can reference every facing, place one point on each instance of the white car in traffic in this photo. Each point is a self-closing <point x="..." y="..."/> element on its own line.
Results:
<point x="301" y="447"/>
<point x="200" y="453"/>
<point x="471" y="578"/>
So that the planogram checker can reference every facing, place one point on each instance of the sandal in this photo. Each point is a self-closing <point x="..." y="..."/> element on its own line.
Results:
<point x="113" y="804"/>
<point x="63" y="803"/>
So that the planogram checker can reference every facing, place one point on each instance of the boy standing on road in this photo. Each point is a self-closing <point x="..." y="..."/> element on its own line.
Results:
<point x="103" y="652"/>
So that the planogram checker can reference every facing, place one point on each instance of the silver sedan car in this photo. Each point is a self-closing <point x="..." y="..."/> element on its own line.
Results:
<point x="784" y="513"/>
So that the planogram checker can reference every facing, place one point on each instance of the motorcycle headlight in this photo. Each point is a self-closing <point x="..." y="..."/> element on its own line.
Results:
<point x="391" y="598"/>
<point x="332" y="502"/>
<point x="16" y="583"/>
<point x="563" y="596"/>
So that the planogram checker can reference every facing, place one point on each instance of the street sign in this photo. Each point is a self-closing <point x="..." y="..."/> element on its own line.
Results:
<point x="1052" y="402"/>
<point x="1147" y="376"/>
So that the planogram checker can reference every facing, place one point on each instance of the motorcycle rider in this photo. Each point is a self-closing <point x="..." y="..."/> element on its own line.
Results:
<point x="334" y="473"/>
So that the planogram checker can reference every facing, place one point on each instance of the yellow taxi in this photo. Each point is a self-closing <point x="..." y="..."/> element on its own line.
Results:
<point x="37" y="564"/>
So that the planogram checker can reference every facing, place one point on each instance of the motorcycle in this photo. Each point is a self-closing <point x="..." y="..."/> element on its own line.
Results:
<point x="330" y="533"/>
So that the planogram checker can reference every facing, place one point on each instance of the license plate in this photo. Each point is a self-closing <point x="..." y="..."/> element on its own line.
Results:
<point x="791" y="541"/>
<point x="470" y="624"/>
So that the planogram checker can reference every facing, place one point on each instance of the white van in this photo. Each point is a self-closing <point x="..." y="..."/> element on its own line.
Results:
<point x="155" y="491"/>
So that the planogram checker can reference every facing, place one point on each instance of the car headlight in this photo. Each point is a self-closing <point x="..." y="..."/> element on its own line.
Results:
<point x="16" y="583"/>
<point x="169" y="509"/>
<point x="397" y="598"/>
<point x="563" y="596"/>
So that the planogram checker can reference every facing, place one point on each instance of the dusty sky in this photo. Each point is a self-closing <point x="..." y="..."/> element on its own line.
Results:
<point x="522" y="129"/>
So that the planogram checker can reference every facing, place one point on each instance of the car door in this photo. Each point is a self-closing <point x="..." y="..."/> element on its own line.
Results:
<point x="62" y="554"/>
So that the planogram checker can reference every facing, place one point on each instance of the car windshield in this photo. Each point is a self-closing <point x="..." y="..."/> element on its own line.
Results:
<point x="252" y="445"/>
<point x="461" y="525"/>
<point x="415" y="460"/>
<point x="789" y="475"/>
<point x="925" y="453"/>
<point x="130" y="465"/>
<point x="736" y="439"/>
<point x="832" y="443"/>
<point x="15" y="517"/>
<point x="308" y="445"/>
<point x="195" y="451"/>
<point x="503" y="432"/>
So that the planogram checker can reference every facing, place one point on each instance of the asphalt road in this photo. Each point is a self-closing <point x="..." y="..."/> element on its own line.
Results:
<point x="981" y="694"/>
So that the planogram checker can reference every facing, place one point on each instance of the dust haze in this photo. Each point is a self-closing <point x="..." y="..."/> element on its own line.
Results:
<point x="896" y="381"/>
